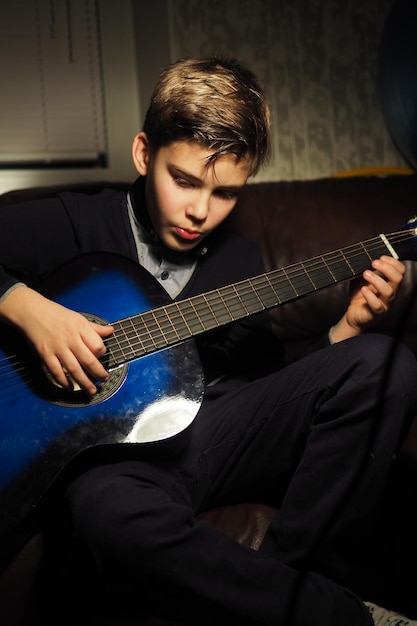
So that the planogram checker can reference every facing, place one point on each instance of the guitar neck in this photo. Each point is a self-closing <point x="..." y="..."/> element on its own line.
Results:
<point x="162" y="327"/>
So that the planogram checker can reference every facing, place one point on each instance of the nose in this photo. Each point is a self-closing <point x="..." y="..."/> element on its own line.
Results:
<point x="199" y="207"/>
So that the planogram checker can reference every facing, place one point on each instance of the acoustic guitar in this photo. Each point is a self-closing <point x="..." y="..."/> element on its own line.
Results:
<point x="155" y="387"/>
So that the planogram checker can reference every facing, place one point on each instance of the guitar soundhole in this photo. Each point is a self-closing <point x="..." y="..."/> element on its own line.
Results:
<point x="79" y="398"/>
<point x="76" y="397"/>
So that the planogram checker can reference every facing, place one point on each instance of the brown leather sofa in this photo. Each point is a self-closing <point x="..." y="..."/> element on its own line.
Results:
<point x="292" y="221"/>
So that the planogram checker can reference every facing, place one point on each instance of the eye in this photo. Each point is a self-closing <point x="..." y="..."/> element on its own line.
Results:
<point x="227" y="195"/>
<point x="183" y="182"/>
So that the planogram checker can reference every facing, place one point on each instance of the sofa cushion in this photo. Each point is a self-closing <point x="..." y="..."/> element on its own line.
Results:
<point x="298" y="220"/>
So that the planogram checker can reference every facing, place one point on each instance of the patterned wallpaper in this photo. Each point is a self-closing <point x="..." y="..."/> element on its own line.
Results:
<point x="318" y="62"/>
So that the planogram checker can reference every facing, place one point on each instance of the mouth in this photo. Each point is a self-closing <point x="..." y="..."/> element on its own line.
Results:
<point x="188" y="235"/>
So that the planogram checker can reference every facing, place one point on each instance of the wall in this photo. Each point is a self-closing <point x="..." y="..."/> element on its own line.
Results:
<point x="318" y="62"/>
<point x="317" y="59"/>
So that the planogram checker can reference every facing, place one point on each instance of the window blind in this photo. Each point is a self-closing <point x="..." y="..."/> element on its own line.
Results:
<point x="52" y="110"/>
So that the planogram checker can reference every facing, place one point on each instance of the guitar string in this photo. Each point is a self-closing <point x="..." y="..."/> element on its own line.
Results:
<point x="286" y="271"/>
<point x="294" y="268"/>
<point x="291" y="274"/>
<point x="153" y="325"/>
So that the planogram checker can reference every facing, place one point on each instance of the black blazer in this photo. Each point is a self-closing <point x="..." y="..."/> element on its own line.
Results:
<point x="39" y="236"/>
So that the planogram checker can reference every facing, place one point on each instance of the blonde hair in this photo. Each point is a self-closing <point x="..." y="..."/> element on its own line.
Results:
<point x="216" y="102"/>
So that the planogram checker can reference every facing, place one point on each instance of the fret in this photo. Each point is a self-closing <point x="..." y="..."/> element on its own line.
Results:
<point x="225" y="304"/>
<point x="144" y="327"/>
<point x="270" y="296"/>
<point x="265" y="292"/>
<point x="243" y="300"/>
<point x="153" y="330"/>
<point x="115" y="354"/>
<point x="319" y="272"/>
<point x="167" y="325"/>
<point x="359" y="261"/>
<point x="119" y="345"/>
<point x="322" y="284"/>
<point x="127" y="326"/>
<point x="309" y="275"/>
<point x="339" y="266"/>
<point x="290" y="286"/>
<point x="190" y="313"/>
<point x="181" y="323"/>
<point x="221" y="307"/>
<point x="157" y="332"/>
<point x="378" y="247"/>
<point x="282" y="288"/>
<point x="347" y="263"/>
<point x="300" y="280"/>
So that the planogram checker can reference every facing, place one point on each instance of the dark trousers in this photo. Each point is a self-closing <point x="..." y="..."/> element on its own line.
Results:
<point x="315" y="438"/>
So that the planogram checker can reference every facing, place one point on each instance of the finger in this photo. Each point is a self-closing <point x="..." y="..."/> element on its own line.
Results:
<point x="391" y="269"/>
<point x="56" y="373"/>
<point x="95" y="341"/>
<point x="381" y="285"/>
<point x="376" y="304"/>
<point x="81" y="363"/>
<point x="102" y="330"/>
<point x="79" y="376"/>
<point x="94" y="368"/>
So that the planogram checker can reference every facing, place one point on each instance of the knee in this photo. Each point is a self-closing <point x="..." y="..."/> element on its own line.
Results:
<point x="93" y="499"/>
<point x="379" y="352"/>
<point x="404" y="360"/>
<point x="392" y="367"/>
<point x="123" y="511"/>
<point x="108" y="507"/>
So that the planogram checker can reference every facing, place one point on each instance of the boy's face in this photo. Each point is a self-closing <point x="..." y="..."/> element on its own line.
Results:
<point x="187" y="199"/>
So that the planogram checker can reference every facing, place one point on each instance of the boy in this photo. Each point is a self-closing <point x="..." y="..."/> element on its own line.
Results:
<point x="306" y="429"/>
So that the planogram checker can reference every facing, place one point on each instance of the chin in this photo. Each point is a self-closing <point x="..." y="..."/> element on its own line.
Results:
<point x="180" y="246"/>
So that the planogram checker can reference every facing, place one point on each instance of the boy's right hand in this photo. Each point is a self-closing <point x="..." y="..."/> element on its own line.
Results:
<point x="64" y="339"/>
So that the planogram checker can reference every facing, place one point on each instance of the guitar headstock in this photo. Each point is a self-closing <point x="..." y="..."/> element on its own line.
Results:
<point x="406" y="244"/>
<point x="412" y="223"/>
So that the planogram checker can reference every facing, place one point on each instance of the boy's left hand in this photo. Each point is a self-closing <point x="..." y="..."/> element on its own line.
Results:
<point x="370" y="297"/>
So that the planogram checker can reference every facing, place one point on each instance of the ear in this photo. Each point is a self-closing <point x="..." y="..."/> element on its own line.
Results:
<point x="140" y="153"/>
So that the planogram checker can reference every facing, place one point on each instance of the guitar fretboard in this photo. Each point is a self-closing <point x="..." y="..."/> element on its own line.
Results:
<point x="162" y="327"/>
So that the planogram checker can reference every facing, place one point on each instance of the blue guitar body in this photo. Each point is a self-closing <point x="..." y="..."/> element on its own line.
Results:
<point x="150" y="400"/>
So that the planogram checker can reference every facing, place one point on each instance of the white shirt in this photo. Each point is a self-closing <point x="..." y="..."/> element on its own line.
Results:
<point x="173" y="276"/>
